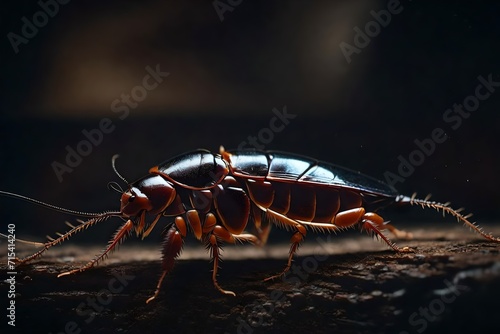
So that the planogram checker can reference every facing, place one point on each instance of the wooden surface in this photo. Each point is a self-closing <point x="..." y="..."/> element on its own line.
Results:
<point x="450" y="283"/>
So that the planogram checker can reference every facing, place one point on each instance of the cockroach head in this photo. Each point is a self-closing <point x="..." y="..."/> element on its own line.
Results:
<point x="152" y="194"/>
<point x="134" y="201"/>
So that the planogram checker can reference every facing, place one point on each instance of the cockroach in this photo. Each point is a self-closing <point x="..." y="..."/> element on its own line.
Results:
<point x="219" y="197"/>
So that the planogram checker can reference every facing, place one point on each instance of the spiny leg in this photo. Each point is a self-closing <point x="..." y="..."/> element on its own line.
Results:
<point x="223" y="234"/>
<point x="150" y="228"/>
<point x="371" y="222"/>
<point x="261" y="228"/>
<point x="343" y="219"/>
<point x="172" y="247"/>
<point x="215" y="254"/>
<point x="119" y="236"/>
<point x="220" y="233"/>
<point x="383" y="225"/>
<point x="296" y="239"/>
<point x="399" y="234"/>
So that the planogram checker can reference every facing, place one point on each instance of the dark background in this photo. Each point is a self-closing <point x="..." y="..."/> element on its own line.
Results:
<point x="225" y="79"/>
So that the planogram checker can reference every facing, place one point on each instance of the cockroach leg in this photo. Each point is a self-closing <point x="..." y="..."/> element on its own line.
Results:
<point x="158" y="287"/>
<point x="297" y="238"/>
<point x="215" y="253"/>
<point x="219" y="233"/>
<point x="142" y="222"/>
<point x="150" y="228"/>
<point x="399" y="234"/>
<point x="384" y="225"/>
<point x="119" y="237"/>
<point x="373" y="223"/>
<point x="224" y="235"/>
<point x="172" y="248"/>
<point x="295" y="241"/>
<point x="262" y="228"/>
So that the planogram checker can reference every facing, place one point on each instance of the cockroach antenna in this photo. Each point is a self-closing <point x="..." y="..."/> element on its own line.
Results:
<point x="113" y="164"/>
<point x="49" y="206"/>
<point x="446" y="209"/>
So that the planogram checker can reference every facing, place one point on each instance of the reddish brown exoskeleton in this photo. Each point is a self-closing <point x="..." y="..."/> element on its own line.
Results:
<point x="220" y="196"/>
